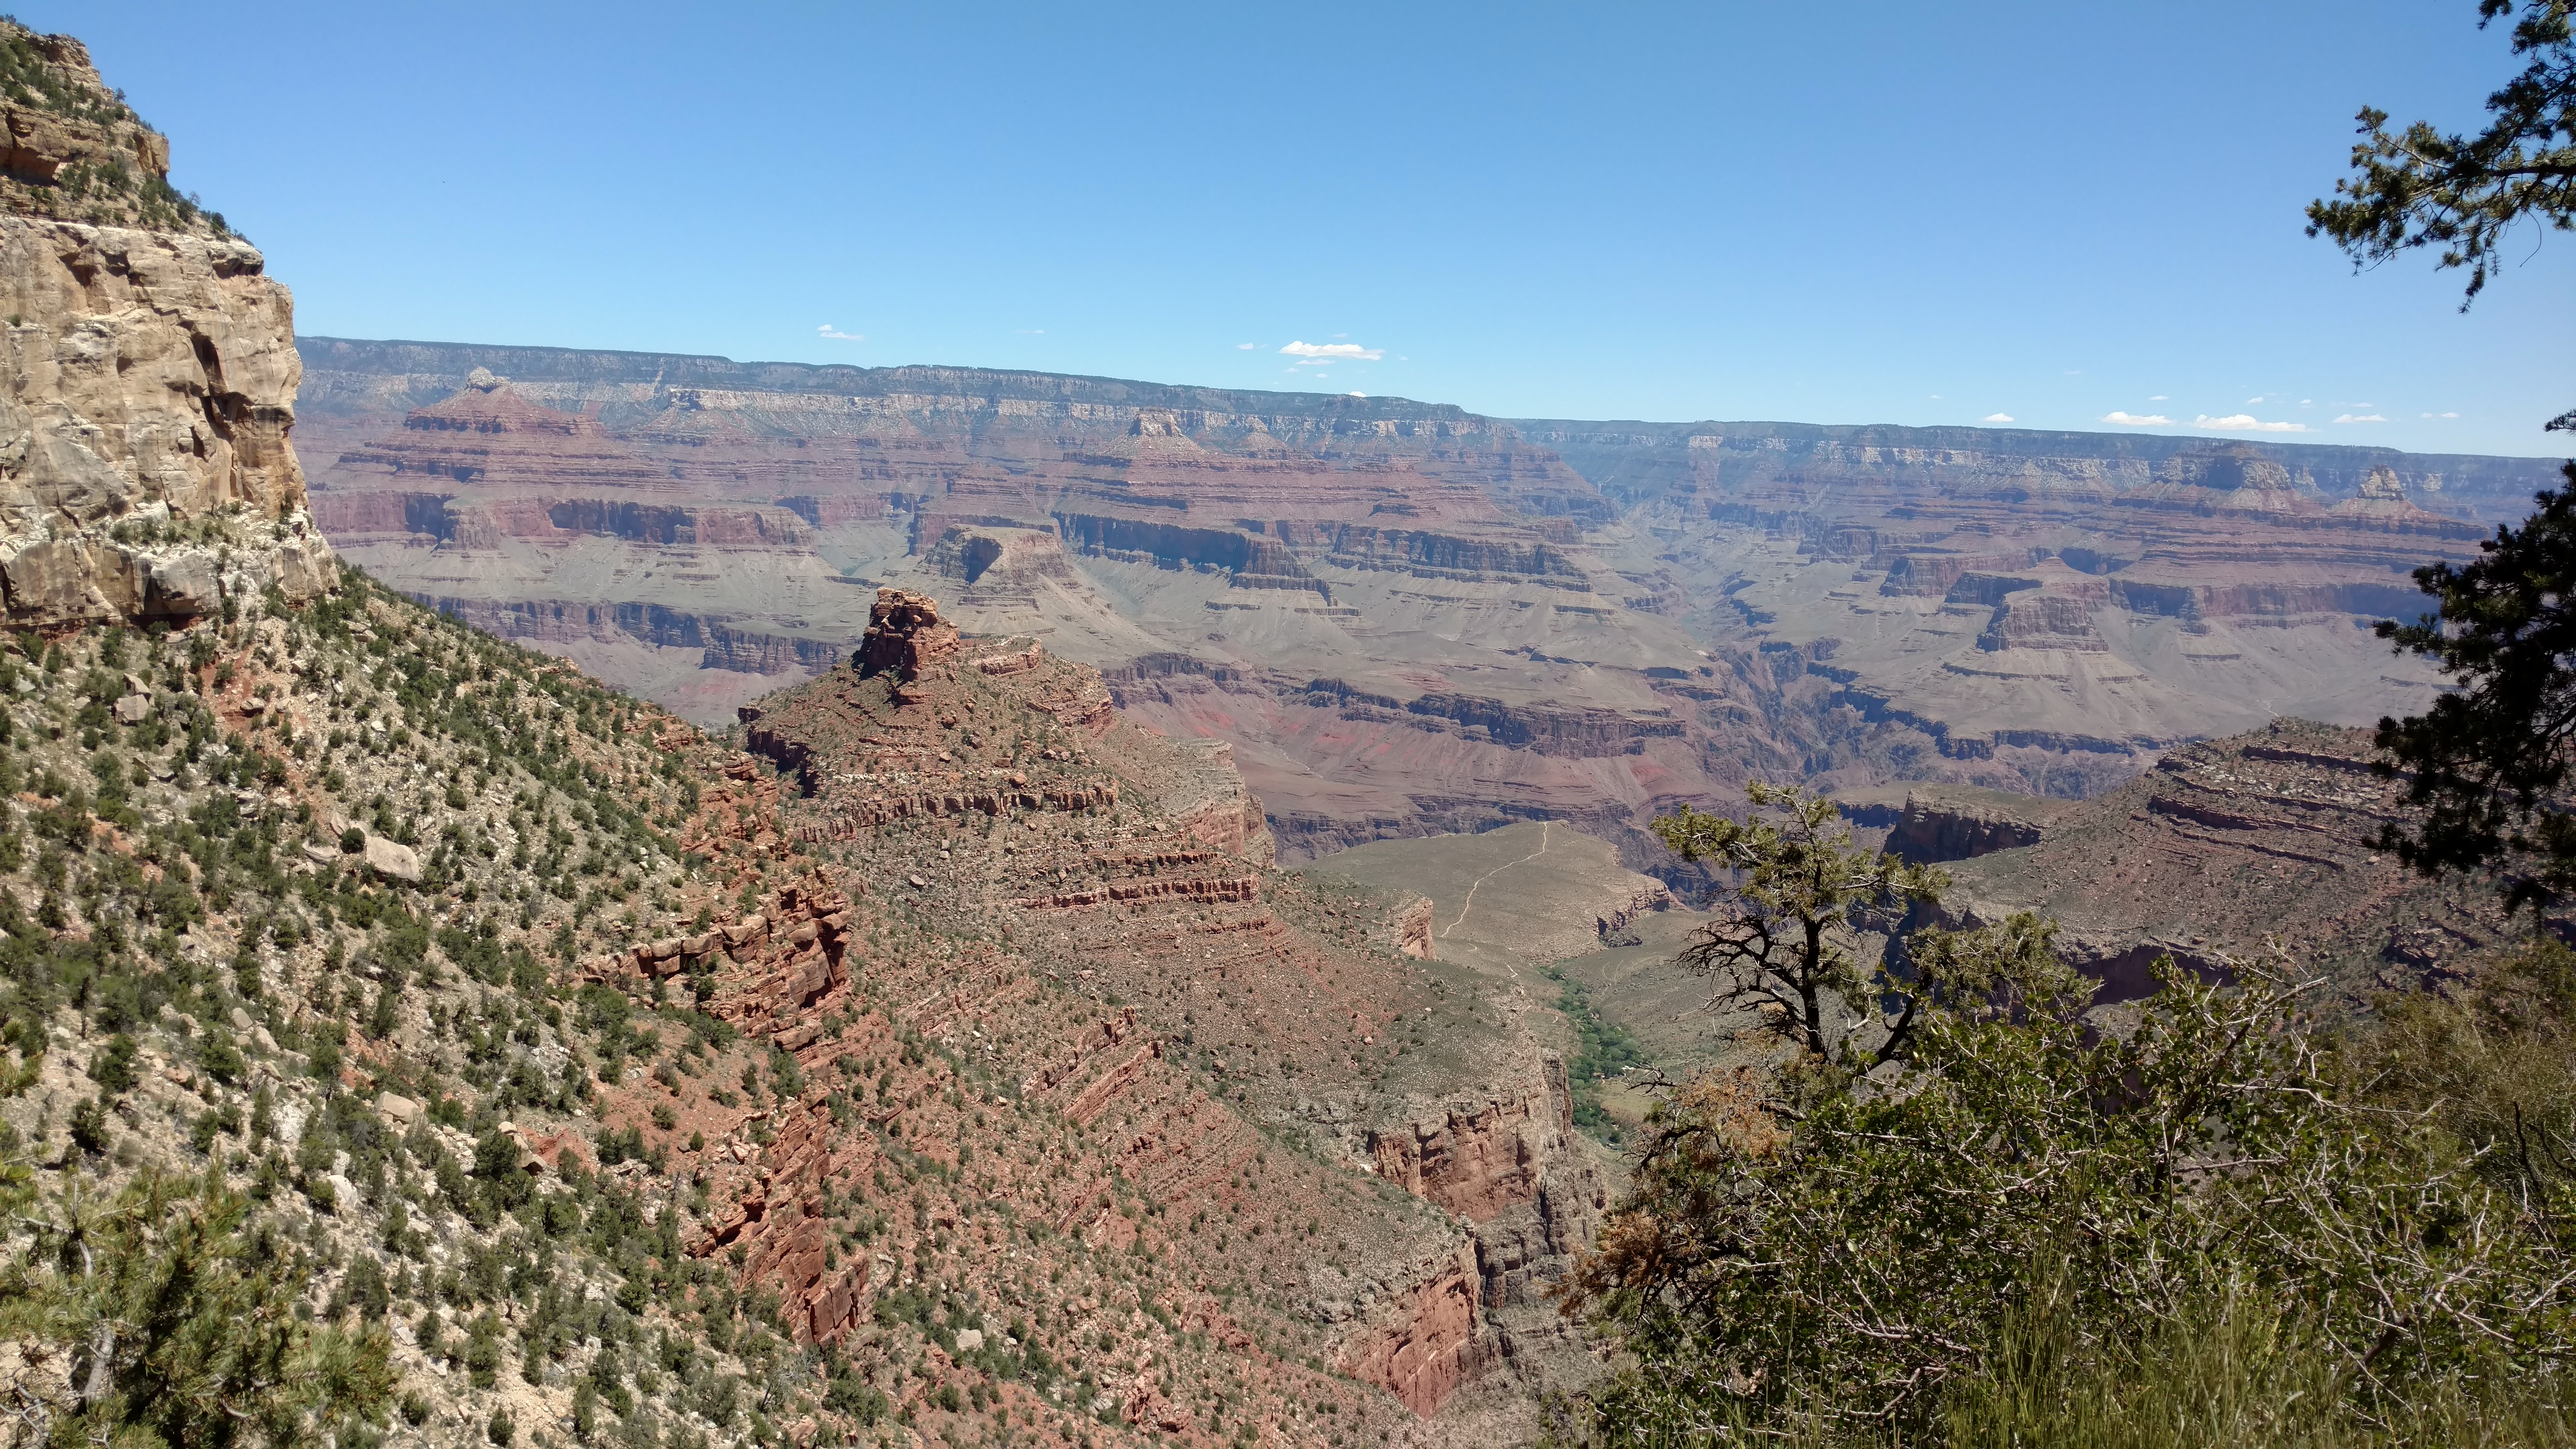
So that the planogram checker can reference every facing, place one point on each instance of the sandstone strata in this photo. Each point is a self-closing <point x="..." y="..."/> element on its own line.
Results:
<point x="147" y="387"/>
<point x="2230" y="845"/>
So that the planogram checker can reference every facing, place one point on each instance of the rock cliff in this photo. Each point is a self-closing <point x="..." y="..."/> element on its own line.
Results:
<point x="147" y="379"/>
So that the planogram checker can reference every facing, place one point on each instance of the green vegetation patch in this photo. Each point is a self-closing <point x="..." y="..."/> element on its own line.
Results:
<point x="1603" y="1051"/>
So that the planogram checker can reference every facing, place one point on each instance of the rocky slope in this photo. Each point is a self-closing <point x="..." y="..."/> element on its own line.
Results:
<point x="2230" y="844"/>
<point x="516" y="1062"/>
<point x="1402" y="617"/>
<point x="956" y="1059"/>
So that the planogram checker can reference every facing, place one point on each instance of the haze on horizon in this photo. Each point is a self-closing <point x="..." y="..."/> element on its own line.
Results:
<point x="2083" y="218"/>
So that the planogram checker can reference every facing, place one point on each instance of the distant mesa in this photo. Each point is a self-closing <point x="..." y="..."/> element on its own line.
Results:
<point x="1403" y="617"/>
<point x="487" y="431"/>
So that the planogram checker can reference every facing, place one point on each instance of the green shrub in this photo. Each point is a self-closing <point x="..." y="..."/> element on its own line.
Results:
<point x="88" y="1126"/>
<point x="1858" y="1254"/>
<point x="113" y="1066"/>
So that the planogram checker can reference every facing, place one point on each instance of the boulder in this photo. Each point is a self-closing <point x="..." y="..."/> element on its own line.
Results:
<point x="389" y="858"/>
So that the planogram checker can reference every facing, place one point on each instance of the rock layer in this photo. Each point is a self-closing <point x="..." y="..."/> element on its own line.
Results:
<point x="1404" y="618"/>
<point x="147" y="381"/>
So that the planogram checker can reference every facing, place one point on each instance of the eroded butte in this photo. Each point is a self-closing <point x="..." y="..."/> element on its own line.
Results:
<point x="1402" y="617"/>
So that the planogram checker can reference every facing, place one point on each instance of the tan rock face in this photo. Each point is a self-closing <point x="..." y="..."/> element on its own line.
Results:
<point x="147" y="387"/>
<point x="147" y="373"/>
<point x="70" y="147"/>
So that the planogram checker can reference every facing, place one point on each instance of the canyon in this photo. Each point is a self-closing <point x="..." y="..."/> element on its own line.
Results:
<point x="941" y="1051"/>
<point x="1403" y="618"/>
<point x="1103" y="911"/>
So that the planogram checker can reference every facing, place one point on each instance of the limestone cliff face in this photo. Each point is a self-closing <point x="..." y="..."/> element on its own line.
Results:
<point x="147" y="387"/>
<point x="71" y="148"/>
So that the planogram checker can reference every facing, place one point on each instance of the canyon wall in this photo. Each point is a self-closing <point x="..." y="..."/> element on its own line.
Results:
<point x="1404" y="618"/>
<point x="1633" y="462"/>
<point x="147" y="379"/>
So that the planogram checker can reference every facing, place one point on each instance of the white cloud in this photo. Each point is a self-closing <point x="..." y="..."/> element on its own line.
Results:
<point x="2245" y="423"/>
<point x="1031" y="331"/>
<point x="2307" y="402"/>
<point x="2160" y="397"/>
<point x="2361" y="418"/>
<point x="1245" y="346"/>
<point x="1996" y="418"/>
<point x="1359" y="394"/>
<point x="2132" y="420"/>
<point x="2450" y="415"/>
<point x="2251" y="401"/>
<point x="836" y="334"/>
<point x="1318" y="354"/>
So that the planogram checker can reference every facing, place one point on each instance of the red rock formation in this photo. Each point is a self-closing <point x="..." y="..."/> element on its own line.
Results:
<point x="1429" y="1346"/>
<point x="1123" y="897"/>
<point x="1475" y="1161"/>
<point x="905" y="635"/>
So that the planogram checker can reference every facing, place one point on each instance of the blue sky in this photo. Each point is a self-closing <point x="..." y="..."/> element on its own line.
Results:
<point x="1904" y="213"/>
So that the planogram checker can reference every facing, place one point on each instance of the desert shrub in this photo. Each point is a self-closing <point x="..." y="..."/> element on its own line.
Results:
<point x="2031" y="1200"/>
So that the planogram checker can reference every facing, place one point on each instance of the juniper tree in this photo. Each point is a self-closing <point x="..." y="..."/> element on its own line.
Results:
<point x="2422" y="187"/>
<point x="1821" y="936"/>
<point x="2487" y="766"/>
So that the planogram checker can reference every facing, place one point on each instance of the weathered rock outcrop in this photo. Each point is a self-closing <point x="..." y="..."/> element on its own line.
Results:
<point x="905" y="636"/>
<point x="2228" y="845"/>
<point x="70" y="148"/>
<point x="1956" y="822"/>
<point x="147" y="387"/>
